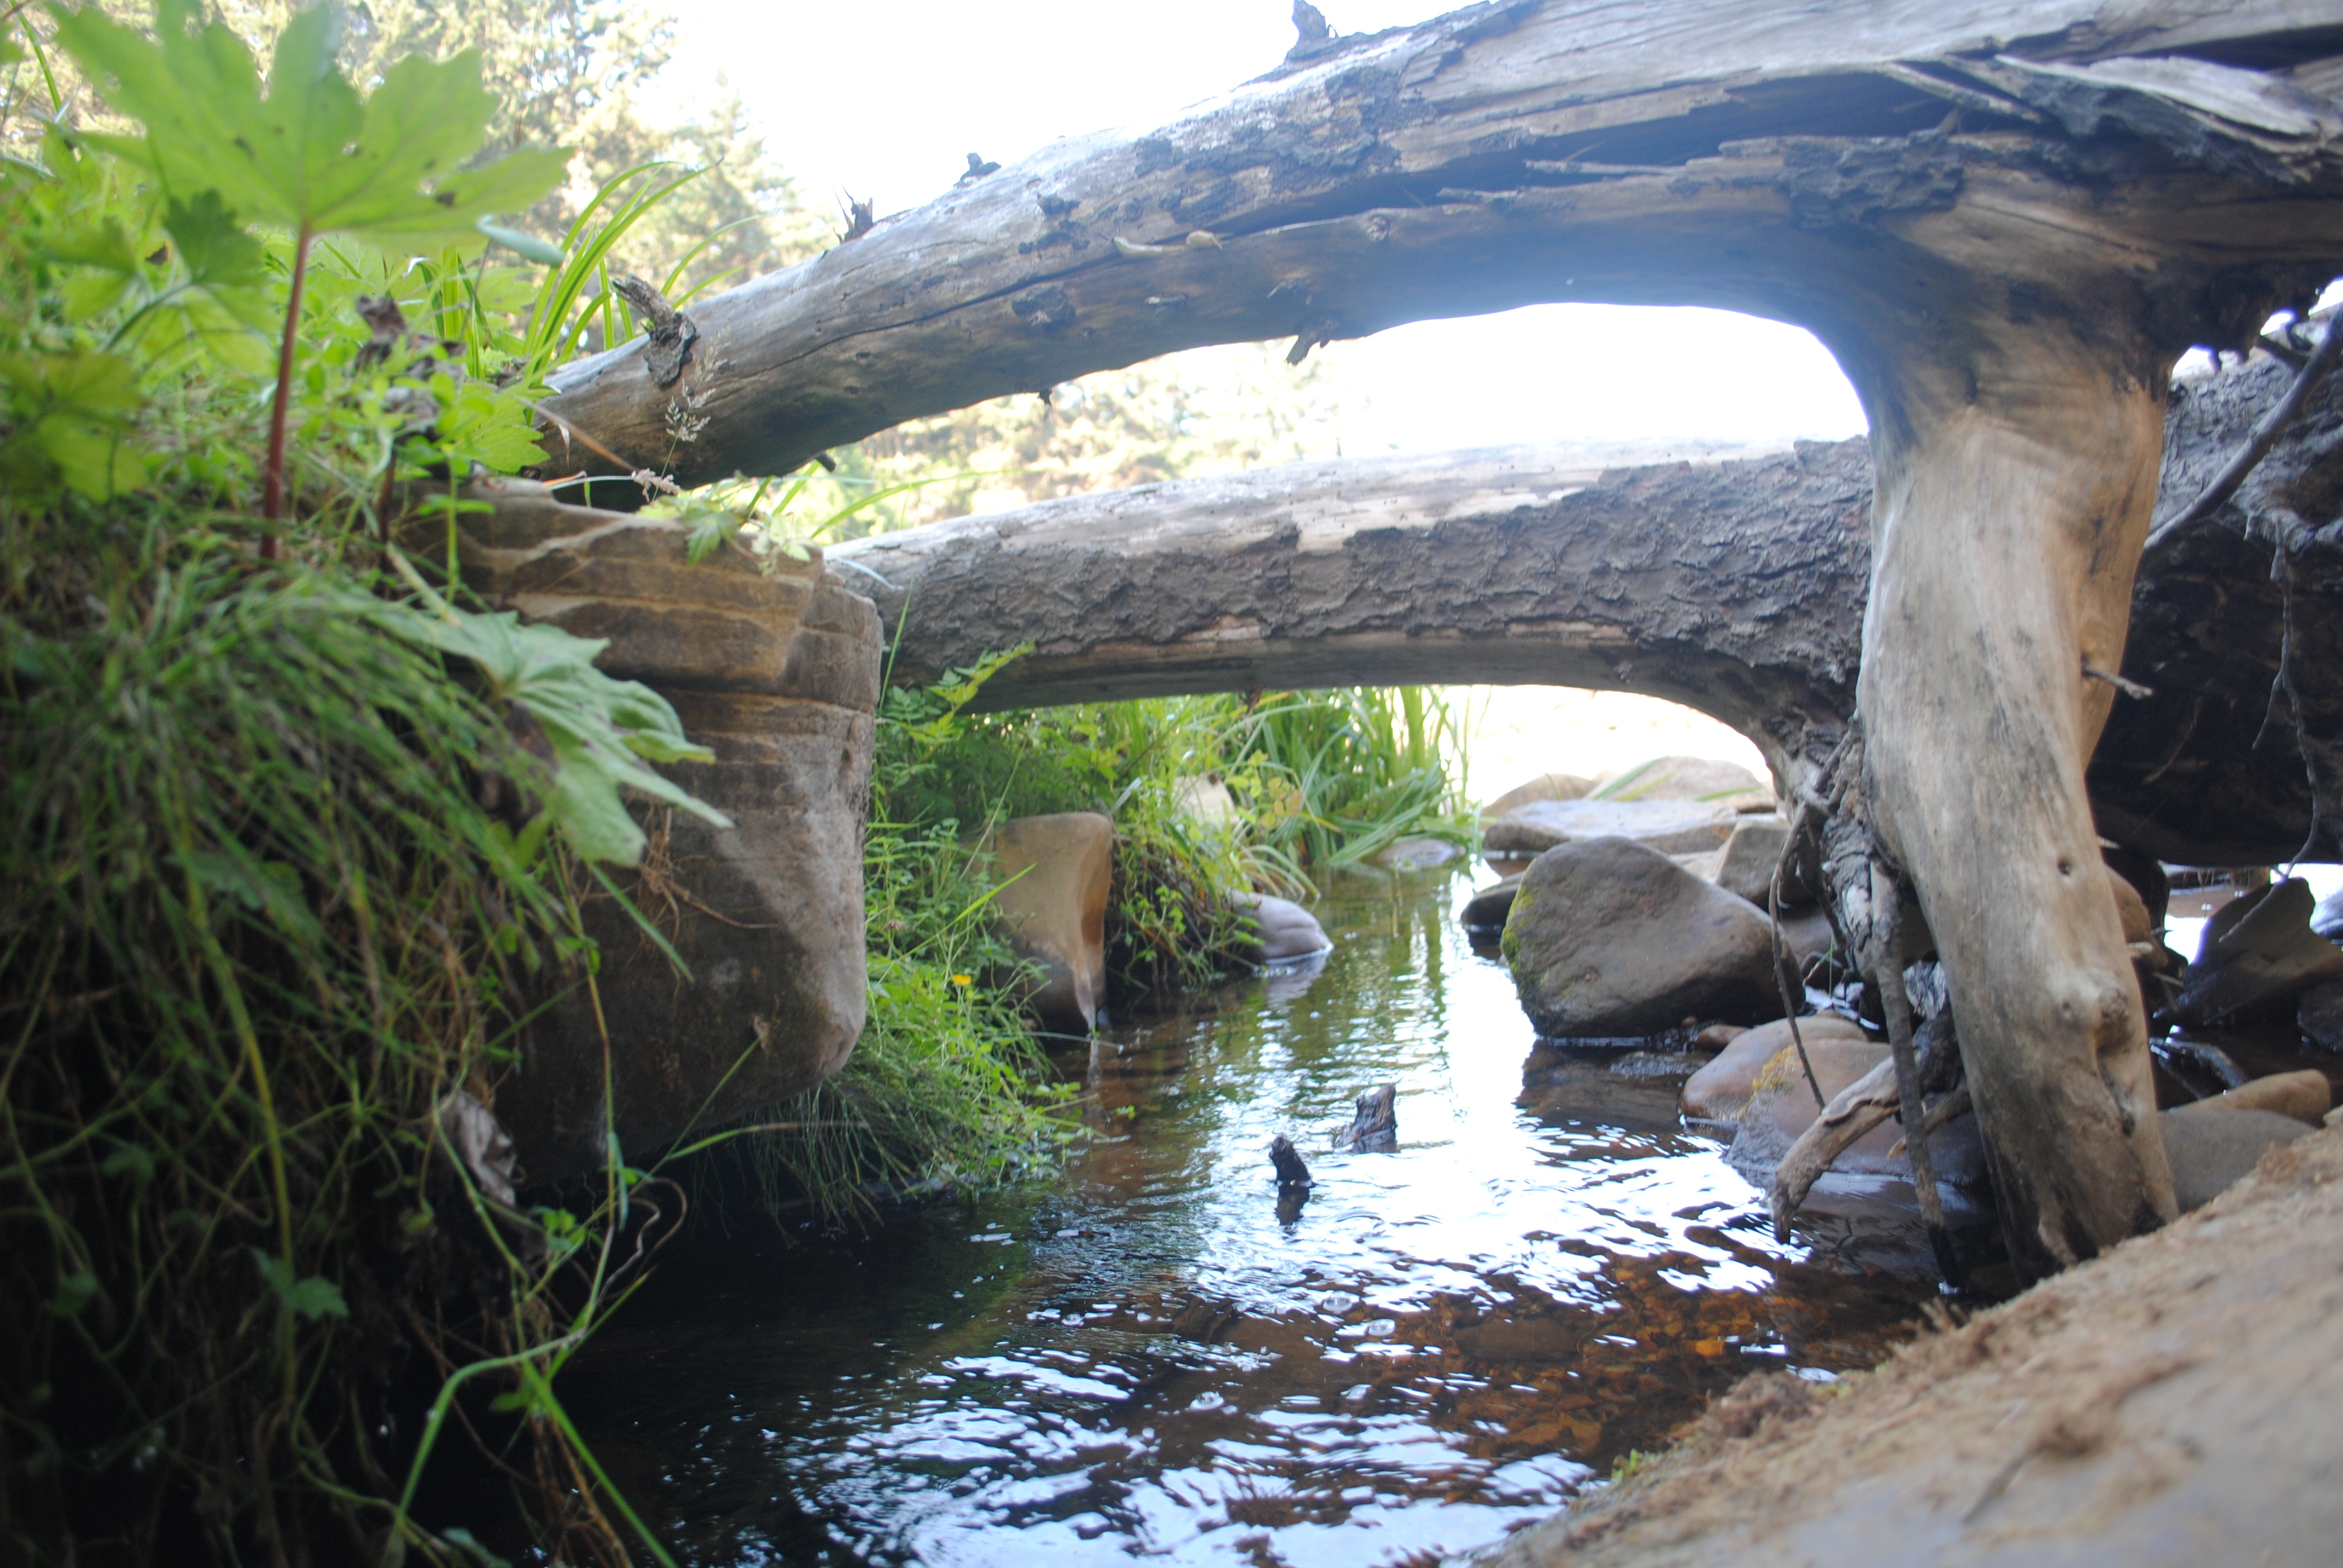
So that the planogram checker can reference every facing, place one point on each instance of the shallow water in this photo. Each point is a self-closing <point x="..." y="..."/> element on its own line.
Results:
<point x="1142" y="1357"/>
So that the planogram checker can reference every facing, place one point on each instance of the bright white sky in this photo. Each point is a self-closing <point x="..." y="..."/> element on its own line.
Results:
<point x="887" y="98"/>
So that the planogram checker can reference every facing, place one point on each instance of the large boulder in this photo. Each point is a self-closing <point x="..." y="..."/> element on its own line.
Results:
<point x="1722" y="1089"/>
<point x="1671" y="827"/>
<point x="1544" y="787"/>
<point x="1054" y="874"/>
<point x="1611" y="938"/>
<point x="774" y="666"/>
<point x="2257" y="950"/>
<point x="1702" y="779"/>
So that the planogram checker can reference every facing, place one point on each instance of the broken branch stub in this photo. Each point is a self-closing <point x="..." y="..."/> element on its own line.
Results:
<point x="2005" y="221"/>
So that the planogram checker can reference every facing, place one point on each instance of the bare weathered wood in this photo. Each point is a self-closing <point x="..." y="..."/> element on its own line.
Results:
<point x="1503" y="155"/>
<point x="2005" y="221"/>
<point x="1733" y="585"/>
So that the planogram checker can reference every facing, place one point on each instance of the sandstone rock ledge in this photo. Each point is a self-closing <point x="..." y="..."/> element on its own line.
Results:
<point x="2177" y="1401"/>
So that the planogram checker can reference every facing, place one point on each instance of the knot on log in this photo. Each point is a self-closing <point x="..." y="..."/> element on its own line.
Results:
<point x="1833" y="185"/>
<point x="1048" y="309"/>
<point x="668" y="333"/>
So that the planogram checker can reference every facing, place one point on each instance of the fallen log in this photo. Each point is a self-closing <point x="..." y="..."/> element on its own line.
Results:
<point x="1731" y="584"/>
<point x="2006" y="221"/>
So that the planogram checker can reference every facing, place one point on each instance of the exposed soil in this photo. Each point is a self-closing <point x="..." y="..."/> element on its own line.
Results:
<point x="2178" y="1401"/>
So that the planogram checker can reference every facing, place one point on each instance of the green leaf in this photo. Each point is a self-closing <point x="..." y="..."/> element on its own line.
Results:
<point x="312" y="1298"/>
<point x="526" y="246"/>
<point x="310" y="155"/>
<point x="216" y="248"/>
<point x="598" y="728"/>
<point x="72" y="411"/>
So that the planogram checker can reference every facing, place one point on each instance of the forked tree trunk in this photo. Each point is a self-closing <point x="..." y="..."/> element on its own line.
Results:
<point x="2014" y="494"/>
<point x="2005" y="219"/>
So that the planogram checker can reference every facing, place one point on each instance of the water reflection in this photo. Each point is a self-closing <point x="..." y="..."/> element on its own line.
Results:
<point x="1146" y="1357"/>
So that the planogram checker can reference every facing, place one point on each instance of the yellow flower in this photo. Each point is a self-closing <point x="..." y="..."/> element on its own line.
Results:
<point x="963" y="980"/>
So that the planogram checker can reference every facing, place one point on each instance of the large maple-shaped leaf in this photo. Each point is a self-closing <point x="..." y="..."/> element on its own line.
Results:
<point x="308" y="154"/>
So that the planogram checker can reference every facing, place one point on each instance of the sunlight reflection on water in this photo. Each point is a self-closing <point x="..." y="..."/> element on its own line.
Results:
<point x="1142" y="1357"/>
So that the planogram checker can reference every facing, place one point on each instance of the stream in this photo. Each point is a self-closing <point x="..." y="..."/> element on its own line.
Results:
<point x="1142" y="1358"/>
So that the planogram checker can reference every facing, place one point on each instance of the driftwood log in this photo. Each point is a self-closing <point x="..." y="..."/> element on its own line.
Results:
<point x="1733" y="585"/>
<point x="2006" y="220"/>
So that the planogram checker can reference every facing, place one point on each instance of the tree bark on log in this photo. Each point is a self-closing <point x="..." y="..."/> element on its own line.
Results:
<point x="1734" y="588"/>
<point x="2005" y="221"/>
<point x="1733" y="584"/>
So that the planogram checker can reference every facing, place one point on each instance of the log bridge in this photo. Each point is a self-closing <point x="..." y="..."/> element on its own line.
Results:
<point x="2006" y="220"/>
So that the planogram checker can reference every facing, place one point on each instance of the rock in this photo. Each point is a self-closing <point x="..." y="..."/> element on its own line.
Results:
<point x="2327" y="919"/>
<point x="2257" y="950"/>
<point x="1717" y="1036"/>
<point x="774" y="667"/>
<point x="2138" y="925"/>
<point x="1544" y="787"/>
<point x="1671" y="827"/>
<point x="1750" y="856"/>
<point x="1611" y="938"/>
<point x="2321" y="1015"/>
<point x="1486" y="910"/>
<point x="1205" y="1321"/>
<point x="1282" y="929"/>
<point x="1703" y="866"/>
<point x="2148" y="878"/>
<point x="2305" y="1096"/>
<point x="2211" y="1146"/>
<point x="1721" y="1090"/>
<point x="1700" y="779"/>
<point x="1416" y="854"/>
<point x="1375" y="1121"/>
<point x="1782" y="1106"/>
<point x="1055" y="873"/>
<point x="1810" y="937"/>
<point x="1203" y="798"/>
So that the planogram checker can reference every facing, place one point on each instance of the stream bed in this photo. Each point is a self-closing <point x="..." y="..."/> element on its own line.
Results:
<point x="1142" y="1358"/>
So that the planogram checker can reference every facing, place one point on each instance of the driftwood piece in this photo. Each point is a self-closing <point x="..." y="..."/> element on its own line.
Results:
<point x="2006" y="220"/>
<point x="1699" y="152"/>
<point x="1375" y="1121"/>
<point x="1868" y="1102"/>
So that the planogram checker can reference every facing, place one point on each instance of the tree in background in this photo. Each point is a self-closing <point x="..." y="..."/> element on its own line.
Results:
<point x="568" y="73"/>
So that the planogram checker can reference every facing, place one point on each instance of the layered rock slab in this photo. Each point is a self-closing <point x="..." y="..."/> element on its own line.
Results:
<point x="774" y="666"/>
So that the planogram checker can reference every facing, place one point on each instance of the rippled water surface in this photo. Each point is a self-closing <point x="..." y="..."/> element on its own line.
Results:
<point x="1142" y="1357"/>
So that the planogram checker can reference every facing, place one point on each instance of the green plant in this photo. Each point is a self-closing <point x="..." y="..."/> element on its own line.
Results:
<point x="263" y="949"/>
<point x="947" y="1086"/>
<point x="310" y="156"/>
<point x="1355" y="768"/>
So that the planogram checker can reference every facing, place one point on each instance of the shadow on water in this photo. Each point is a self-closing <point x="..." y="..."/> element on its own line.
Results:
<point x="1142" y="1357"/>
